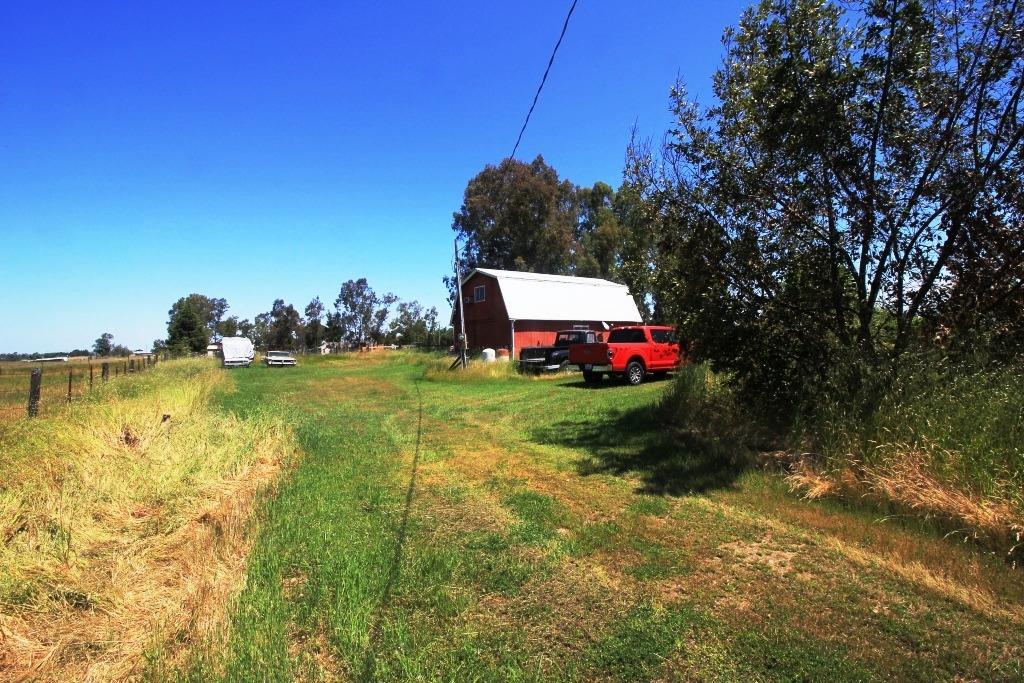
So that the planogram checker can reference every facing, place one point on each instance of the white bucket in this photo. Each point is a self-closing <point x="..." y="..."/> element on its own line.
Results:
<point x="488" y="355"/>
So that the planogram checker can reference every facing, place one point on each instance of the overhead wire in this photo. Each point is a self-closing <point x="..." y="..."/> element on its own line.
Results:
<point x="543" y="80"/>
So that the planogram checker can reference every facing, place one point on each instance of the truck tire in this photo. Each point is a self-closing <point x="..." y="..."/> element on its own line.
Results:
<point x="634" y="372"/>
<point x="591" y="377"/>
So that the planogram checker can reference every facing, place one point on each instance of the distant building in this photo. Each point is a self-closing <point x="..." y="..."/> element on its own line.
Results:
<point x="327" y="347"/>
<point x="213" y="350"/>
<point x="142" y="354"/>
<point x="511" y="309"/>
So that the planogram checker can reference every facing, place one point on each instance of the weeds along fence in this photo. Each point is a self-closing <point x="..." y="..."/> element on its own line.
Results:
<point x="31" y="389"/>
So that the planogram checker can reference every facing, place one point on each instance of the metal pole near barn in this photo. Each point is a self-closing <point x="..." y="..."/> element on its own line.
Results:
<point x="35" y="384"/>
<point x="463" y="341"/>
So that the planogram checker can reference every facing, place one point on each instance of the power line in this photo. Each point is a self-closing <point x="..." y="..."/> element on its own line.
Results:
<point x="544" y="79"/>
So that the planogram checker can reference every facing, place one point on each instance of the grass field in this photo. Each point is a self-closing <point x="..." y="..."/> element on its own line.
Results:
<point x="488" y="527"/>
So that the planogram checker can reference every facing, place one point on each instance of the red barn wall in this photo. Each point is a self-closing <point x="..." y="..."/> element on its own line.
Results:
<point x="487" y="323"/>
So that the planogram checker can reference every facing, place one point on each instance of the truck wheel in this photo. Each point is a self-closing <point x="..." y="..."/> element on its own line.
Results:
<point x="591" y="377"/>
<point x="634" y="372"/>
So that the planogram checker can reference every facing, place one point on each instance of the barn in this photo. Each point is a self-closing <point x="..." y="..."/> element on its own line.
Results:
<point x="511" y="309"/>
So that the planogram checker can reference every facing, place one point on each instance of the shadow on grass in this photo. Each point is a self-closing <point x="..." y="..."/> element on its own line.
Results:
<point x="612" y="382"/>
<point x="669" y="461"/>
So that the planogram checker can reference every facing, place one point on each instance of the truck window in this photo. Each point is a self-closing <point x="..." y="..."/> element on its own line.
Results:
<point x="627" y="336"/>
<point x="664" y="337"/>
<point x="567" y="338"/>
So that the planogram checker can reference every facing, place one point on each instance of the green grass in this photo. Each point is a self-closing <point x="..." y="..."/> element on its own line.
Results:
<point x="532" y="548"/>
<point x="966" y="424"/>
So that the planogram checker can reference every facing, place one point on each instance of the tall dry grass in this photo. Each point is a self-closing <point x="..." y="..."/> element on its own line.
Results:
<point x="123" y="523"/>
<point x="946" y="441"/>
<point x="437" y="369"/>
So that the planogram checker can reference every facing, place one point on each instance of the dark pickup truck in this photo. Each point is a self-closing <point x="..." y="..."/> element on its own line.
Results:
<point x="556" y="356"/>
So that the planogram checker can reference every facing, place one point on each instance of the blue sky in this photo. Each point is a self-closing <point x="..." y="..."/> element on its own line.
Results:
<point x="256" y="151"/>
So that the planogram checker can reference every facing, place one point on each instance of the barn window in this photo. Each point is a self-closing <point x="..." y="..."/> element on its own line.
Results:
<point x="479" y="293"/>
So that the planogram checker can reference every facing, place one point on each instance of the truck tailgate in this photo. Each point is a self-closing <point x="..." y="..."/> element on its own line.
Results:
<point x="588" y="354"/>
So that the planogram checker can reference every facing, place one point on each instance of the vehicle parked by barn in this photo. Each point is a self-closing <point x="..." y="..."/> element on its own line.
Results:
<point x="278" y="359"/>
<point x="554" y="357"/>
<point x="631" y="352"/>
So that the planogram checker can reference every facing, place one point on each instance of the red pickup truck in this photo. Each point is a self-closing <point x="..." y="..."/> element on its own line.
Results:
<point x="631" y="352"/>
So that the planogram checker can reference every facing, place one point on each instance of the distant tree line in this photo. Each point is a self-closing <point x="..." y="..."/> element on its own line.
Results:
<point x="104" y="346"/>
<point x="37" y="355"/>
<point x="850" y="200"/>
<point x="359" y="317"/>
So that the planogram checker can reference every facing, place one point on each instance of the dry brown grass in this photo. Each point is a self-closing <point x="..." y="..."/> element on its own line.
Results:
<point x="437" y="369"/>
<point x="903" y="479"/>
<point x="123" y="533"/>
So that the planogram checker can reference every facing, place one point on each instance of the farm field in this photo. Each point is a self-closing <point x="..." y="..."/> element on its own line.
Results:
<point x="518" y="529"/>
<point x="86" y="375"/>
<point x="478" y="526"/>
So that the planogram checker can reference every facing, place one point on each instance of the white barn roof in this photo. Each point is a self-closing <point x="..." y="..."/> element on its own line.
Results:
<point x="535" y="296"/>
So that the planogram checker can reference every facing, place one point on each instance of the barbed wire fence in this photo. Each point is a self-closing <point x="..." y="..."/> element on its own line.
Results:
<point x="37" y="388"/>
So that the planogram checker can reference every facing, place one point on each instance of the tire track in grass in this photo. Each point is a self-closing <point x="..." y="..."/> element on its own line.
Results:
<point x="370" y="658"/>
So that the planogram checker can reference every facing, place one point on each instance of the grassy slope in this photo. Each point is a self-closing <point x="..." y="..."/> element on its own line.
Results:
<point x="555" y="533"/>
<point x="123" y="522"/>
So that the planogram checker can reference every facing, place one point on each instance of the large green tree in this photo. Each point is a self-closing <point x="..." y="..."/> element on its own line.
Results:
<point x="807" y="221"/>
<point x="518" y="216"/>
<point x="523" y="216"/>
<point x="103" y="344"/>
<point x="314" y="327"/>
<point x="412" y="324"/>
<point x="259" y="332"/>
<point x="362" y="313"/>
<point x="211" y="310"/>
<point x="228" y="327"/>
<point x="186" y="331"/>
<point x="598" y="238"/>
<point x="285" y="326"/>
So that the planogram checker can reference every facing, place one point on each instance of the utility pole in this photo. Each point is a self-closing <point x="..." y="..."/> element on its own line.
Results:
<point x="463" y="342"/>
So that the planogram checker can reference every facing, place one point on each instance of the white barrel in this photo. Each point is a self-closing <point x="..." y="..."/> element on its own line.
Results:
<point x="488" y="355"/>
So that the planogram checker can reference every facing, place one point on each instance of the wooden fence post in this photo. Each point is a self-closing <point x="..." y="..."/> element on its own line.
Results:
<point x="69" y="385"/>
<point x="117" y="370"/>
<point x="90" y="378"/>
<point x="33" y="392"/>
<point x="131" y="365"/>
<point x="105" y="371"/>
